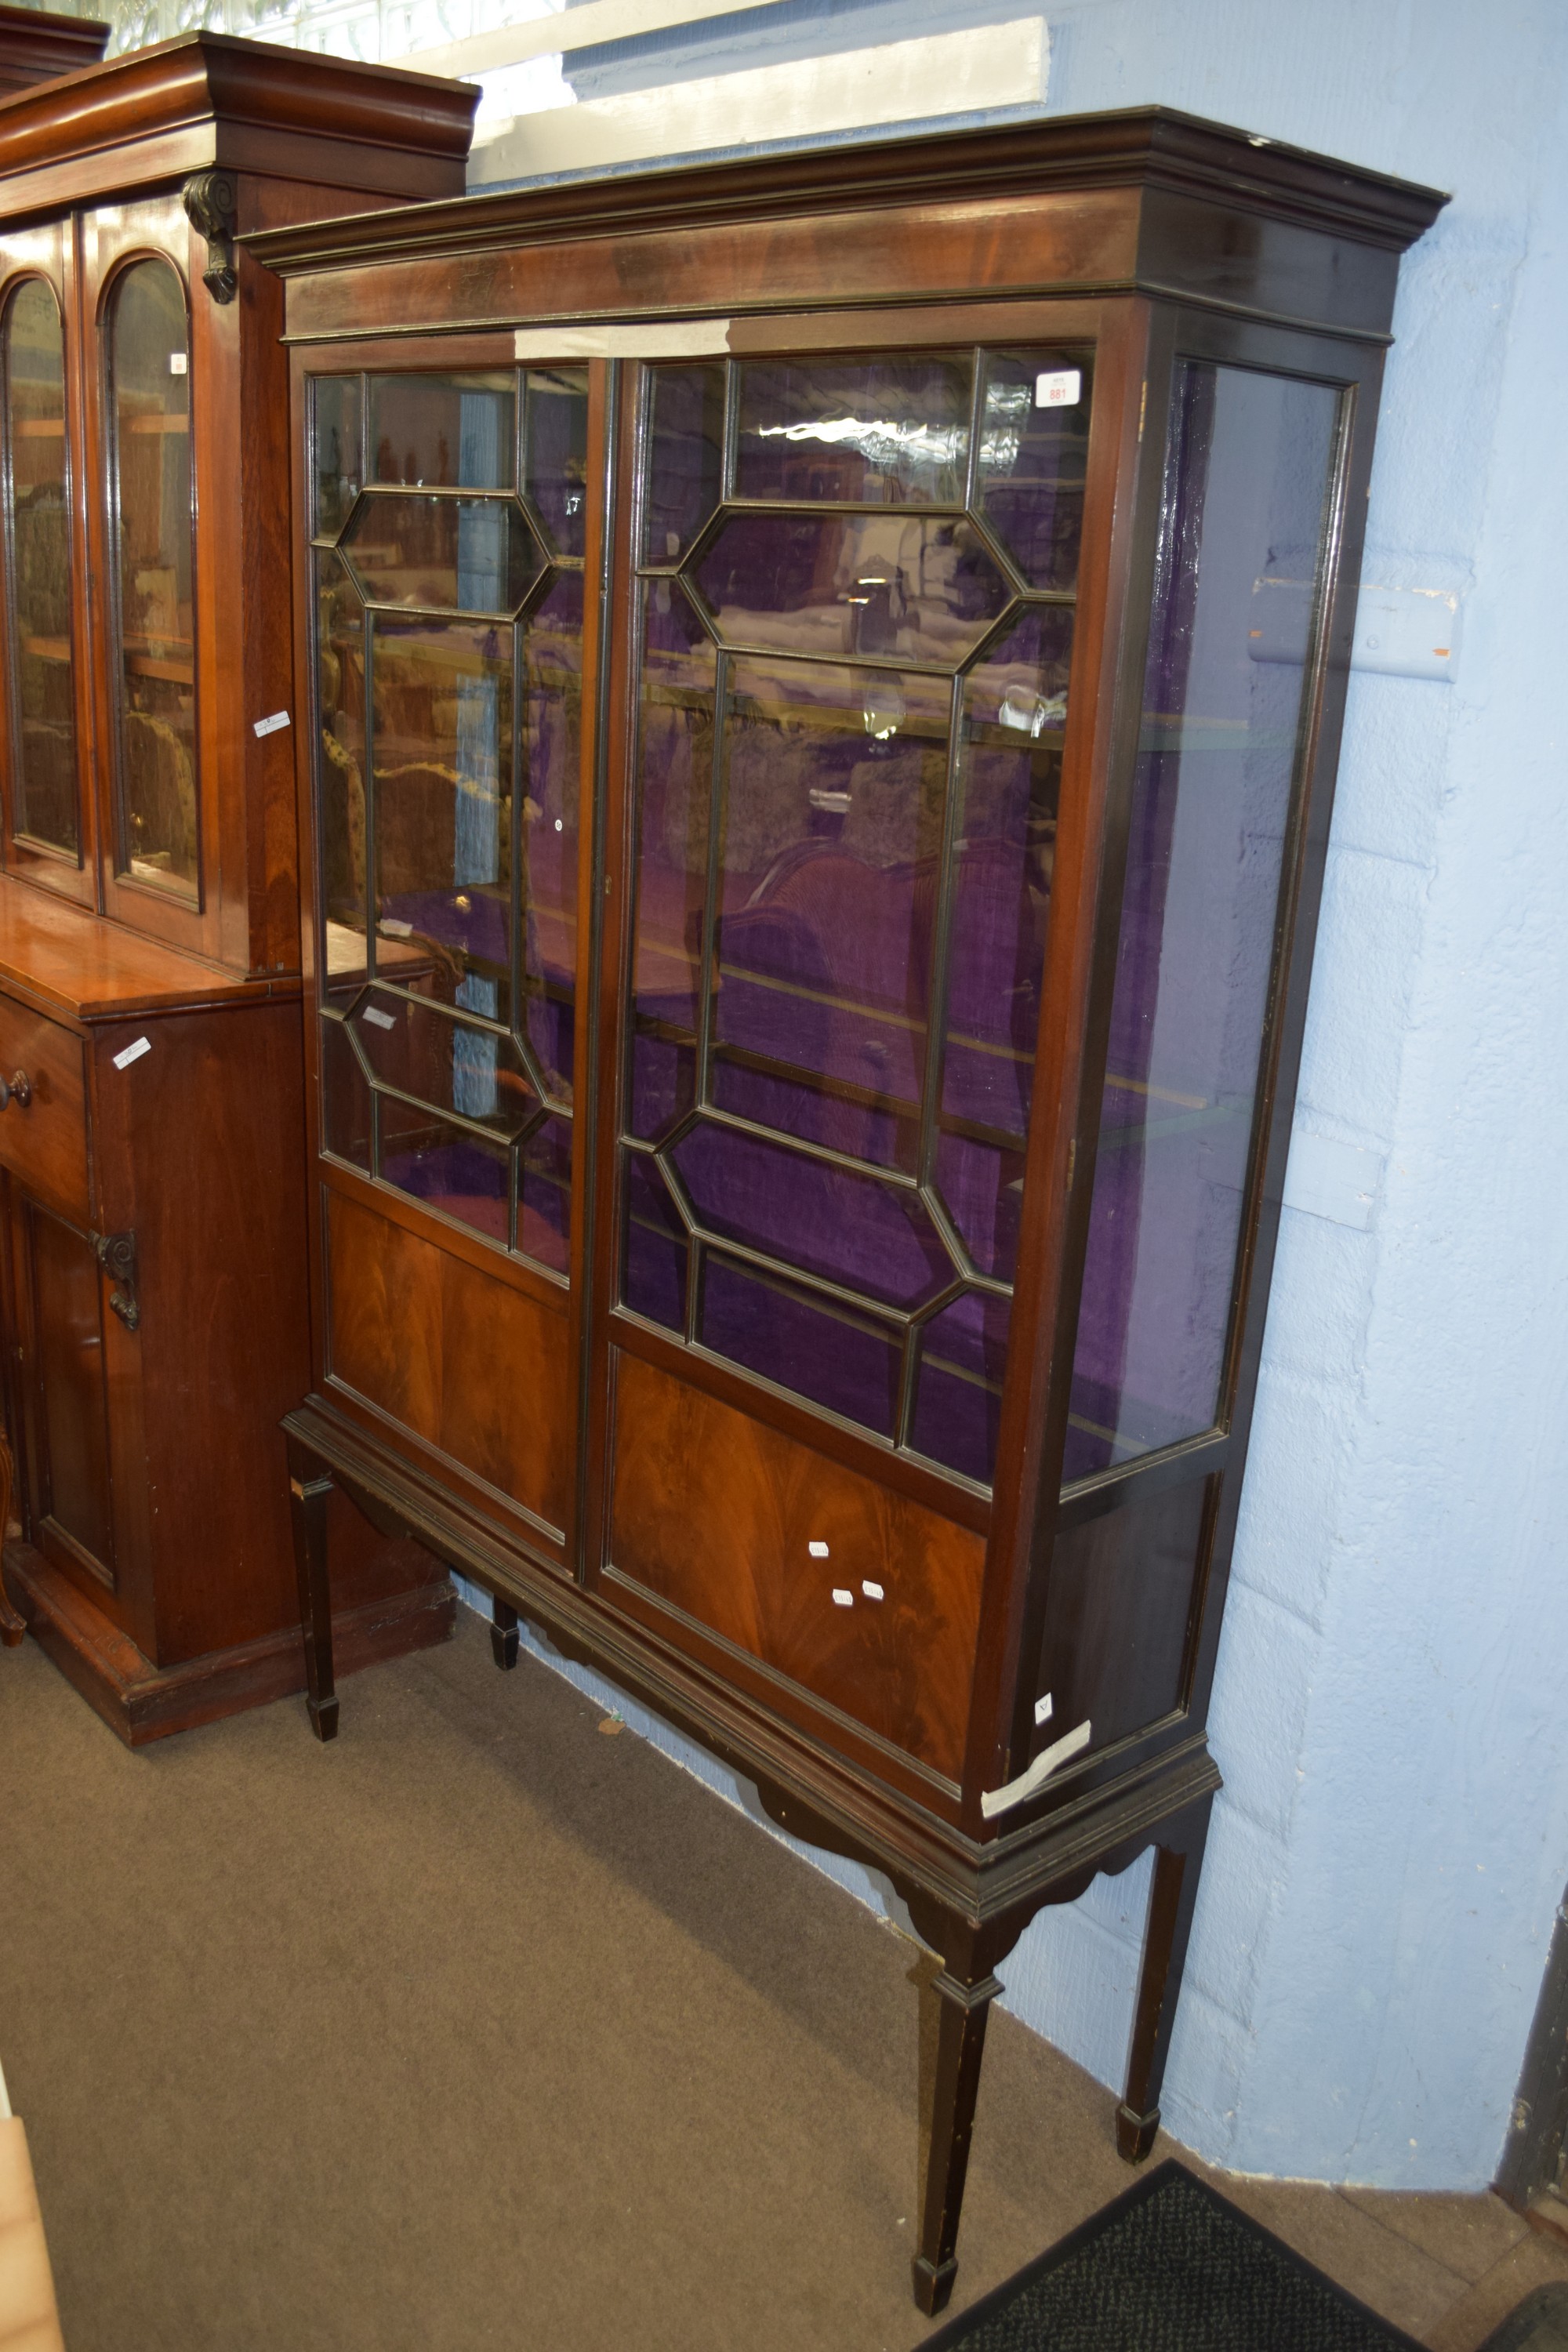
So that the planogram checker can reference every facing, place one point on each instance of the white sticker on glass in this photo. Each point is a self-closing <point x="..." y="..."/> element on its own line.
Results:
<point x="842" y="1599"/>
<point x="377" y="1018"/>
<point x="279" y="720"/>
<point x="132" y="1053"/>
<point x="393" y="928"/>
<point x="1043" y="1708"/>
<point x="179" y="363"/>
<point x="1058" y="388"/>
<point x="817" y="1551"/>
<point x="872" y="1591"/>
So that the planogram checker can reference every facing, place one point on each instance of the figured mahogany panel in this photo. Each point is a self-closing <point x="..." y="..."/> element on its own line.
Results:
<point x="719" y="1515"/>
<point x="44" y="1140"/>
<point x="465" y="1363"/>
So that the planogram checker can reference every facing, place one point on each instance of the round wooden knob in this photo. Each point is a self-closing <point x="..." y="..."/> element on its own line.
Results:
<point x="17" y="1089"/>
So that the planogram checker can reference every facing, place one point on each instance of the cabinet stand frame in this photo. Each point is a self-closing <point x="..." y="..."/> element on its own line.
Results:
<point x="969" y="1903"/>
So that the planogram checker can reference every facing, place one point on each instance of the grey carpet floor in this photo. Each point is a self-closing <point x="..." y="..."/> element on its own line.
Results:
<point x="477" y="2029"/>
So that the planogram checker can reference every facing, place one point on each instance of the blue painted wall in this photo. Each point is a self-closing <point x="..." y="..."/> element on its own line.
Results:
<point x="1394" y="1832"/>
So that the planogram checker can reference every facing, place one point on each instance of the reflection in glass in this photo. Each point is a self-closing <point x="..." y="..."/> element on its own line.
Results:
<point x="1015" y="712"/>
<point x="556" y="438"/>
<point x="958" y="1384"/>
<point x="1034" y="449"/>
<point x="409" y="1045"/>
<point x="544" y="1194"/>
<point x="819" y="1347"/>
<point x="444" y="805"/>
<point x="150" y="505"/>
<point x="675" y="780"/>
<point x="685" y="457"/>
<point x="551" y="754"/>
<point x="1247" y="473"/>
<point x="437" y="432"/>
<point x="873" y="1237"/>
<point x="457" y="555"/>
<point x="446" y="1166"/>
<point x="895" y="585"/>
<point x="336" y="459"/>
<point x="832" y="785"/>
<point x="340" y="689"/>
<point x="653" y="1267"/>
<point x="346" y="1098"/>
<point x="883" y="432"/>
<point x="44" y="789"/>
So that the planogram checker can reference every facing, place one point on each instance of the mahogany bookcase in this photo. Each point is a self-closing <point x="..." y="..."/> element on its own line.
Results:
<point x="826" y="676"/>
<point x="152" y="1113"/>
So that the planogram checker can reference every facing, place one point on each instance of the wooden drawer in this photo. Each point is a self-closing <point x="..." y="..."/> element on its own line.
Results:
<point x="45" y="1144"/>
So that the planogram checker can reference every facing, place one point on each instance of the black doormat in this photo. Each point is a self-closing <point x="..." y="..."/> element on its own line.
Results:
<point x="1170" y="2267"/>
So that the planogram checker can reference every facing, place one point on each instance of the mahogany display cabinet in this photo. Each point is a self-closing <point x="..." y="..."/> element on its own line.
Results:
<point x="152" y="1113"/>
<point x="827" y="674"/>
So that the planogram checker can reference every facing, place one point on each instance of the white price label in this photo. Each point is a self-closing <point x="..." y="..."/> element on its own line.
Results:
<point x="817" y="1551"/>
<point x="841" y="1599"/>
<point x="279" y="720"/>
<point x="1058" y="388"/>
<point x="132" y="1053"/>
<point x="377" y="1018"/>
<point x="179" y="363"/>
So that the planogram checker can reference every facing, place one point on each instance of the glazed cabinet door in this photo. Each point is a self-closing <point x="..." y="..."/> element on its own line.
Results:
<point x="450" y="522"/>
<point x="851" y="611"/>
<point x="156" y="788"/>
<point x="47" y="828"/>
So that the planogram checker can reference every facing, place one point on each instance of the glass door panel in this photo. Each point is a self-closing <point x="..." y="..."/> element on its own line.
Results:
<point x="450" y="658"/>
<point x="151" y="513"/>
<point x="45" y="792"/>
<point x="856" y="602"/>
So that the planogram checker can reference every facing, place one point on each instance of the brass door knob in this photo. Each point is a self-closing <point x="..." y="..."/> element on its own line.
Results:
<point x="16" y="1090"/>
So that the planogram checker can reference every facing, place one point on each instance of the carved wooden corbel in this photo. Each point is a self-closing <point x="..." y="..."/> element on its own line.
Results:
<point x="211" y="202"/>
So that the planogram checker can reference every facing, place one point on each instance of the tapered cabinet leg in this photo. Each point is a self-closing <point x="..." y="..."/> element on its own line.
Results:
<point x="503" y="1634"/>
<point x="310" y="1486"/>
<point x="13" y="1627"/>
<point x="961" y="2044"/>
<point x="1178" y="1863"/>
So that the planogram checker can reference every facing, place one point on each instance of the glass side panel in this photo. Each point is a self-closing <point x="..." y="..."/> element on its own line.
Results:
<point x="448" y="807"/>
<point x="882" y="432"/>
<point x="1248" y="472"/>
<point x="1034" y="447"/>
<point x="846" y="824"/>
<point x="151" y="507"/>
<point x="44" y="792"/>
<point x="337" y="470"/>
<point x="905" y="588"/>
<point x="685" y="459"/>
<point x="444" y="431"/>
